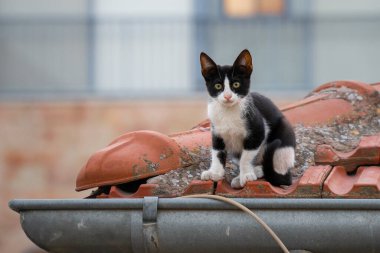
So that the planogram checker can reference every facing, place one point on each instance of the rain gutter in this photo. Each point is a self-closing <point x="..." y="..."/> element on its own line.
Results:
<point x="184" y="225"/>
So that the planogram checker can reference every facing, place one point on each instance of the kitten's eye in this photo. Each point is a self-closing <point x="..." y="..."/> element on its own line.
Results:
<point x="236" y="85"/>
<point x="218" y="86"/>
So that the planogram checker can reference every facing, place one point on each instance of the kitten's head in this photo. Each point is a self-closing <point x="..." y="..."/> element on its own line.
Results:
<point x="227" y="84"/>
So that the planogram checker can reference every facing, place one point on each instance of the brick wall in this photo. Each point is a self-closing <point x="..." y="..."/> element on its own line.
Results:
<point x="44" y="144"/>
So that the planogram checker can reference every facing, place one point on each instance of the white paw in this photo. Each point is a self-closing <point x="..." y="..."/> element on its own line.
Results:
<point x="241" y="180"/>
<point x="244" y="178"/>
<point x="214" y="175"/>
<point x="259" y="171"/>
<point x="235" y="183"/>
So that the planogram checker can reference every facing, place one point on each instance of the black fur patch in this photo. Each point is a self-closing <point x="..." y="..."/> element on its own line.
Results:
<point x="217" y="143"/>
<point x="222" y="155"/>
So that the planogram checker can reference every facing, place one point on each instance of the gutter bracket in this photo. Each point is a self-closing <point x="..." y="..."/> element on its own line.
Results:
<point x="149" y="224"/>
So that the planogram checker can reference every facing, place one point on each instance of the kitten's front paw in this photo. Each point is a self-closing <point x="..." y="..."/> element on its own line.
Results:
<point x="241" y="180"/>
<point x="235" y="183"/>
<point x="212" y="175"/>
<point x="258" y="171"/>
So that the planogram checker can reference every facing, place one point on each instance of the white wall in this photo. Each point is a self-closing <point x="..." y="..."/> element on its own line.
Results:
<point x="42" y="48"/>
<point x="346" y="7"/>
<point x="347" y="40"/>
<point x="347" y="51"/>
<point x="148" y="46"/>
<point x="152" y="55"/>
<point x="41" y="7"/>
<point x="144" y="8"/>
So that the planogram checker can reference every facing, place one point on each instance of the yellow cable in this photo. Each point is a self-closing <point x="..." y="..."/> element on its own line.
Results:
<point x="245" y="209"/>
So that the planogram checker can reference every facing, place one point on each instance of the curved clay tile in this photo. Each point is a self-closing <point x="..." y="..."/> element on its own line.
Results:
<point x="143" y="154"/>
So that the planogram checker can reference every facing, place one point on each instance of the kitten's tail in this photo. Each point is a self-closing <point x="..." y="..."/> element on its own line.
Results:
<point x="269" y="173"/>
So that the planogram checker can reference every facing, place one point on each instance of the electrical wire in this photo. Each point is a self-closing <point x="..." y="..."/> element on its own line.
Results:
<point x="245" y="209"/>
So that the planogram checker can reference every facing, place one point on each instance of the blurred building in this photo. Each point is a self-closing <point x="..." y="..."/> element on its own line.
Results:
<point x="70" y="71"/>
<point x="151" y="48"/>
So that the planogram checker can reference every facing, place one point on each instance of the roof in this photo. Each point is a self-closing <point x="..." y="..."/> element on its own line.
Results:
<point x="334" y="171"/>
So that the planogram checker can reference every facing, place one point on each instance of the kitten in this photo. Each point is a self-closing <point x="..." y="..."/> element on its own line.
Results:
<point x="247" y="126"/>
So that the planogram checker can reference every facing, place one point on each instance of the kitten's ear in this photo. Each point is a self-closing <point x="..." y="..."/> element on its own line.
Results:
<point x="208" y="66"/>
<point x="243" y="63"/>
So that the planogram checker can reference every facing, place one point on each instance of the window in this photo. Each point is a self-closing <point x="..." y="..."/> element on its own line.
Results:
<point x="251" y="8"/>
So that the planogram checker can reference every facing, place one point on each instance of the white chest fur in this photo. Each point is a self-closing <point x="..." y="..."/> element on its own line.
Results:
<point x="228" y="124"/>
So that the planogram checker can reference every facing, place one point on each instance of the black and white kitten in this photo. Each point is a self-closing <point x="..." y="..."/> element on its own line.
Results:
<point x="247" y="126"/>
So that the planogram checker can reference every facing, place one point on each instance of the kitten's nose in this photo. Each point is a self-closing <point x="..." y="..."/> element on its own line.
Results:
<point x="227" y="96"/>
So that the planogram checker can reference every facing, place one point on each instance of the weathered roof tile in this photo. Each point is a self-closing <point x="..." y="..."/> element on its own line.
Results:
<point x="364" y="184"/>
<point x="367" y="153"/>
<point x="144" y="154"/>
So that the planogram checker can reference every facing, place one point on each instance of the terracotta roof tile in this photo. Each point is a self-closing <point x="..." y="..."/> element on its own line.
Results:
<point x="308" y="186"/>
<point x="367" y="153"/>
<point x="200" y="187"/>
<point x="319" y="112"/>
<point x="364" y="184"/>
<point x="361" y="87"/>
<point x="144" y="154"/>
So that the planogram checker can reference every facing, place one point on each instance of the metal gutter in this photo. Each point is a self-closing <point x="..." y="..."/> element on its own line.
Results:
<point x="198" y="225"/>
